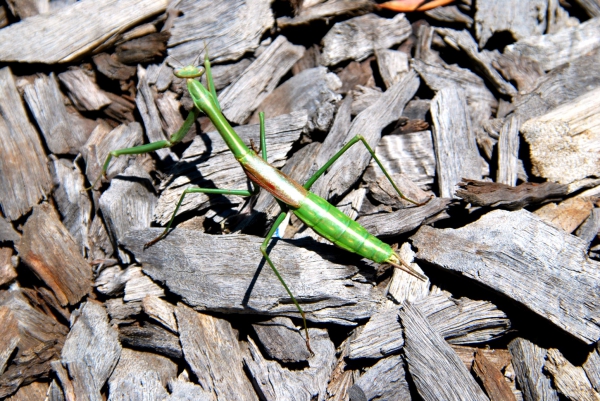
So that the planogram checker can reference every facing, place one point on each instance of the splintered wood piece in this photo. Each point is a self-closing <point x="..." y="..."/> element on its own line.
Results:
<point x="483" y="193"/>
<point x="508" y="152"/>
<point x="240" y="99"/>
<point x="146" y="104"/>
<point x="282" y="340"/>
<point x="223" y="281"/>
<point x="404" y="287"/>
<point x="563" y="142"/>
<point x="211" y="349"/>
<point x="570" y="380"/>
<point x="72" y="201"/>
<point x="82" y="89"/>
<point x="554" y="49"/>
<point x="161" y="311"/>
<point x="357" y="38"/>
<point x="7" y="270"/>
<point x="170" y="117"/>
<point x="108" y="65"/>
<point x="380" y="337"/>
<point x="100" y="246"/>
<point x="521" y="70"/>
<point x="185" y="390"/>
<point x="567" y="215"/>
<point x="325" y="10"/>
<point x="436" y="370"/>
<point x="29" y="8"/>
<point x="462" y="40"/>
<point x="455" y="146"/>
<point x="121" y="312"/>
<point x="9" y="335"/>
<point x="356" y="74"/>
<point x="127" y="204"/>
<point x="590" y="227"/>
<point x="152" y="338"/>
<point x="8" y="233"/>
<point x="219" y="169"/>
<point x="139" y="286"/>
<point x="72" y="32"/>
<point x="111" y="280"/>
<point x="528" y="361"/>
<point x="224" y="27"/>
<point x="558" y="286"/>
<point x="386" y="380"/>
<point x="450" y="14"/>
<point x="141" y="373"/>
<point x="492" y="379"/>
<point x="91" y="351"/>
<point x="521" y="18"/>
<point x="403" y="220"/>
<point x="275" y="382"/>
<point x="102" y="141"/>
<point x="24" y="175"/>
<point x="313" y="90"/>
<point x="63" y="132"/>
<point x="52" y="254"/>
<point x="143" y="49"/>
<point x="392" y="65"/>
<point x="31" y="392"/>
<point x="387" y="109"/>
<point x="592" y="368"/>
<point x="499" y="358"/>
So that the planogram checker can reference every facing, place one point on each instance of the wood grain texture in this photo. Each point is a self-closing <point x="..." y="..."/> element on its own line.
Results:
<point x="70" y="33"/>
<point x="386" y="380"/>
<point x="436" y="370"/>
<point x="24" y="175"/>
<point x="51" y="253"/>
<point x="508" y="152"/>
<point x="9" y="335"/>
<point x="282" y="340"/>
<point x="528" y="360"/>
<point x="534" y="264"/>
<point x="232" y="278"/>
<point x="224" y="26"/>
<point x="327" y="9"/>
<point x="569" y="380"/>
<point x="496" y="387"/>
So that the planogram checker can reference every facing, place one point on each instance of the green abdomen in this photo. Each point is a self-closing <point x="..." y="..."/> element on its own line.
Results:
<point x="329" y="222"/>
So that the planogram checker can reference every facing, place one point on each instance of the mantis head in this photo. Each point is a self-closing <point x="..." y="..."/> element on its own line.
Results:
<point x="189" y="72"/>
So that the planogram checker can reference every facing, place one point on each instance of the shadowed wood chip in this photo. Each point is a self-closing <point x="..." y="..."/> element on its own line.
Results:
<point x="592" y="368"/>
<point x="567" y="215"/>
<point x="436" y="370"/>
<point x="569" y="380"/>
<point x="492" y="379"/>
<point x="150" y="337"/>
<point x="7" y="270"/>
<point x="74" y="31"/>
<point x="325" y="10"/>
<point x="9" y="335"/>
<point x="226" y="273"/>
<point x="520" y="256"/>
<point x="24" y="175"/>
<point x="483" y="193"/>
<point x="386" y="380"/>
<point x="282" y="340"/>
<point x="51" y="253"/>
<point x="528" y="360"/>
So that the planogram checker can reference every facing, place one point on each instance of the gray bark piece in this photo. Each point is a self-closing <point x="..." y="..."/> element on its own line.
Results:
<point x="462" y="40"/>
<point x="392" y="65"/>
<point x="369" y="123"/>
<point x="240" y="99"/>
<point x="72" y="32"/>
<point x="592" y="368"/>
<point x="590" y="227"/>
<point x="275" y="382"/>
<point x="592" y="7"/>
<point x="527" y="260"/>
<point x="161" y="311"/>
<point x="569" y="380"/>
<point x="325" y="10"/>
<point x="436" y="370"/>
<point x="220" y="169"/>
<point x="140" y="376"/>
<point x="72" y="201"/>
<point x="151" y="338"/>
<point x="24" y="175"/>
<point x="528" y="361"/>
<point x="209" y="274"/>
<point x="313" y="90"/>
<point x="521" y="18"/>
<point x="7" y="232"/>
<point x="508" y="152"/>
<point x="552" y="50"/>
<point x="403" y="220"/>
<point x="455" y="146"/>
<point x="127" y="205"/>
<point x="386" y="380"/>
<point x="282" y="340"/>
<point x="564" y="142"/>
<point x="83" y="91"/>
<point x="449" y="14"/>
<point x="223" y="75"/>
<point x="211" y="348"/>
<point x="230" y="28"/>
<point x="186" y="391"/>
<point x="357" y="38"/>
<point x="63" y="132"/>
<point x="9" y="335"/>
<point x="91" y="351"/>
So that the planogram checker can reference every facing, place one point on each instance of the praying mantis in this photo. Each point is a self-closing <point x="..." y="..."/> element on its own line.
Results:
<point x="324" y="218"/>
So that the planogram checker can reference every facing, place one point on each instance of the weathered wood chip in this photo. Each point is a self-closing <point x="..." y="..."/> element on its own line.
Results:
<point x="7" y="270"/>
<point x="152" y="338"/>
<point x="567" y="215"/>
<point x="9" y="335"/>
<point x="161" y="311"/>
<point x="436" y="370"/>
<point x="517" y="254"/>
<point x="570" y="380"/>
<point x="592" y="368"/>
<point x="74" y="31"/>
<point x="326" y="9"/>
<point x="24" y="175"/>
<point x="483" y="193"/>
<point x="282" y="340"/>
<point x="492" y="379"/>
<point x="386" y="380"/>
<point x="91" y="351"/>
<point x="51" y="253"/>
<point x="528" y="360"/>
<point x="226" y="273"/>
<point x="82" y="89"/>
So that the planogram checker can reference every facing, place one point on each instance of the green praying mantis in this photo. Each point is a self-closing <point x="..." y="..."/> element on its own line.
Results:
<point x="324" y="218"/>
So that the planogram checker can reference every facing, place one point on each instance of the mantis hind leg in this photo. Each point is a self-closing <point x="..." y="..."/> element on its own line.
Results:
<point x="358" y="138"/>
<point x="263" y="250"/>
